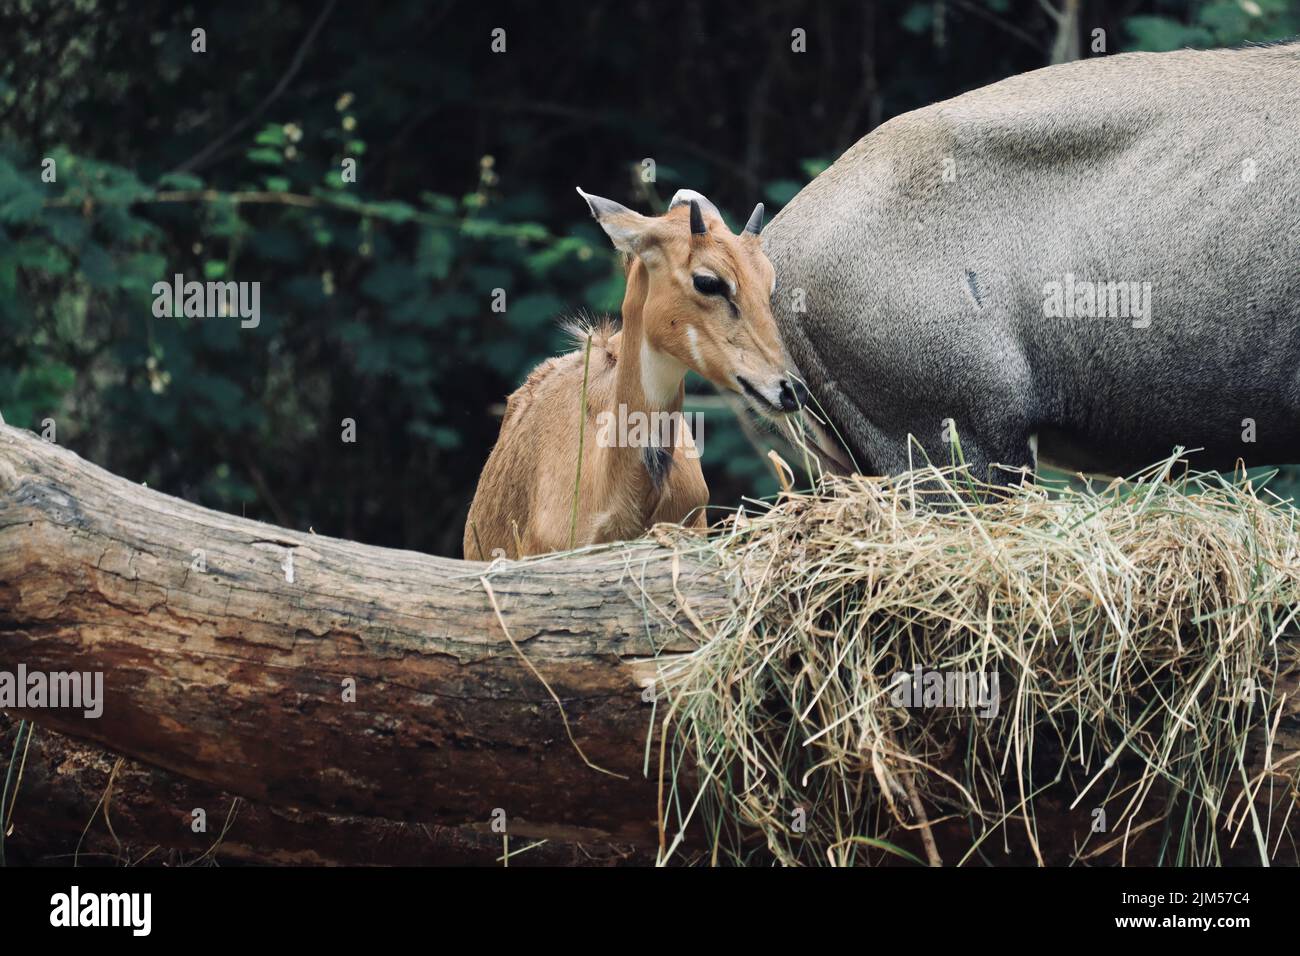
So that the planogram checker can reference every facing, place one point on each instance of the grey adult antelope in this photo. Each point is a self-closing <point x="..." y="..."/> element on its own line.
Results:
<point x="698" y="298"/>
<point x="1094" y="263"/>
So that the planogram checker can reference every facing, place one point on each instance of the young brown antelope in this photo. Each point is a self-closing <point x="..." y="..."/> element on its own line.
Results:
<point x="698" y="298"/>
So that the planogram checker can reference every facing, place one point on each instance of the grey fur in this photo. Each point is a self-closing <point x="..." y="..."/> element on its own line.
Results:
<point x="684" y="196"/>
<point x="925" y="298"/>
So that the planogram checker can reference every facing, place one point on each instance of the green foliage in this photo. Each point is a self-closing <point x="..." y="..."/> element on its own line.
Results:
<point x="376" y="294"/>
<point x="1213" y="24"/>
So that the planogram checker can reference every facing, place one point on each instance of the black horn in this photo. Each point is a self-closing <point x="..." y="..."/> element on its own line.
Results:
<point x="697" y="220"/>
<point x="755" y="224"/>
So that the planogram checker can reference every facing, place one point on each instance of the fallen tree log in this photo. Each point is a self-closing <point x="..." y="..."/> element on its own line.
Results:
<point x="78" y="804"/>
<point x="302" y="671"/>
<point x="335" y="684"/>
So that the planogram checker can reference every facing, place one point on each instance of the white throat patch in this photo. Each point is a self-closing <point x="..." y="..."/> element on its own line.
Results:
<point x="661" y="376"/>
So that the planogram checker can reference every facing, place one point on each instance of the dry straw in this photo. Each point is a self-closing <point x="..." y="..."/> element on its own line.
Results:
<point x="1143" y="636"/>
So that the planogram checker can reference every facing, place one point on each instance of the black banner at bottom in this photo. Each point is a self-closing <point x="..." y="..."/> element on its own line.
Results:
<point x="233" y="905"/>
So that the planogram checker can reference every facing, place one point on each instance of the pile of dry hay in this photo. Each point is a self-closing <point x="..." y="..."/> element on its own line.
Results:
<point x="1137" y="637"/>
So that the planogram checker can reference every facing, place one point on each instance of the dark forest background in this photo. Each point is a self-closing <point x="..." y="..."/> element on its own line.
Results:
<point x="375" y="296"/>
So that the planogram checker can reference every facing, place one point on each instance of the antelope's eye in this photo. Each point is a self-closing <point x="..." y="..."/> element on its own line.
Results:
<point x="709" y="285"/>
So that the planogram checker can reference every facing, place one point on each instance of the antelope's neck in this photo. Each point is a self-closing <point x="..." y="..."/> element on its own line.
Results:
<point x="648" y="392"/>
<point x="648" y="380"/>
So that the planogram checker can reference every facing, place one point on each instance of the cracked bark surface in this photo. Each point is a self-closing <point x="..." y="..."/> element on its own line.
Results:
<point x="235" y="675"/>
<point x="77" y="802"/>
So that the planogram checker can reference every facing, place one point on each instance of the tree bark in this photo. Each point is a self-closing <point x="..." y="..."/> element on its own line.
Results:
<point x="76" y="803"/>
<point x="227" y="647"/>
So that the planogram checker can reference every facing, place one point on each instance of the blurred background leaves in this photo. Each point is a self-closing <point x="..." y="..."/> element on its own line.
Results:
<point x="376" y="295"/>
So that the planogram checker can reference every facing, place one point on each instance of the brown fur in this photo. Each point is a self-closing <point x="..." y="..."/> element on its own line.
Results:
<point x="523" y="504"/>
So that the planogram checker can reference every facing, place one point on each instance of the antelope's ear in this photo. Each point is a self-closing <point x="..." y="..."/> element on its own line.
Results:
<point x="630" y="231"/>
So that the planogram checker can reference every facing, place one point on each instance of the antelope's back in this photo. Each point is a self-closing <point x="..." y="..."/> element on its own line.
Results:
<point x="922" y="256"/>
